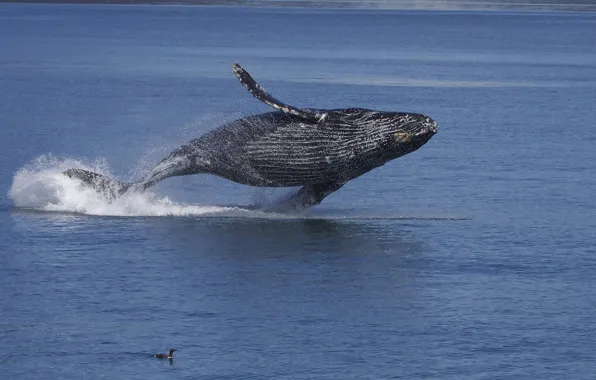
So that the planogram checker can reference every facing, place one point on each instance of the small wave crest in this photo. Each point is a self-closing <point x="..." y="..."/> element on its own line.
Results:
<point x="41" y="186"/>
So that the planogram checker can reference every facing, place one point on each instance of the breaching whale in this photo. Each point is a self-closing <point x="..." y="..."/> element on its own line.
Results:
<point x="318" y="149"/>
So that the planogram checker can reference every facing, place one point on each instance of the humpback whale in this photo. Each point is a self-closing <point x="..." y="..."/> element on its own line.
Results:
<point x="318" y="149"/>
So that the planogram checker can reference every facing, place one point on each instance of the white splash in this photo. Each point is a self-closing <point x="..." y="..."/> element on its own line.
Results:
<point x="42" y="186"/>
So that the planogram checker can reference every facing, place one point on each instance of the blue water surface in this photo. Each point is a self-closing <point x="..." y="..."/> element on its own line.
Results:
<point x="472" y="258"/>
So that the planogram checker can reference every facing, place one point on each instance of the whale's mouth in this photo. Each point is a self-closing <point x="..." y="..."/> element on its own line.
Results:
<point x="432" y="125"/>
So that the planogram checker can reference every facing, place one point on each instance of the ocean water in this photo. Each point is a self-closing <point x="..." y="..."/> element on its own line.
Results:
<point x="472" y="258"/>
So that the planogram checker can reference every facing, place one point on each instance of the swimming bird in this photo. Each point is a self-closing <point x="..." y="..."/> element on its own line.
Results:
<point x="166" y="356"/>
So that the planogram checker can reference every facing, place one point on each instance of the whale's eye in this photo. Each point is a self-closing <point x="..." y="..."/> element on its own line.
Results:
<point x="402" y="137"/>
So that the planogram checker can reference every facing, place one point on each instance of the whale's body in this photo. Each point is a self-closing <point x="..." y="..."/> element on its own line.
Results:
<point x="318" y="149"/>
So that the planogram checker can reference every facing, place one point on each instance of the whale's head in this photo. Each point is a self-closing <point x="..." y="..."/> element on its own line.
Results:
<point x="403" y="133"/>
<point x="388" y="135"/>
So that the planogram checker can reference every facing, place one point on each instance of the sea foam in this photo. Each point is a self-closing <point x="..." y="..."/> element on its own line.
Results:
<point x="41" y="186"/>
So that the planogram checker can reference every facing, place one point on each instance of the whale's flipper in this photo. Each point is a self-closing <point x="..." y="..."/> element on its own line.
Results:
<point x="310" y="195"/>
<point x="110" y="187"/>
<point x="259" y="92"/>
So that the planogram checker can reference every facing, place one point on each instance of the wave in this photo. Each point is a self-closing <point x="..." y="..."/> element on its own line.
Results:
<point x="41" y="187"/>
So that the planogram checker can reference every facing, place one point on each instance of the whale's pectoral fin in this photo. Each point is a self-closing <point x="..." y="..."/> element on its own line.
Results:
<point x="110" y="187"/>
<point x="311" y="195"/>
<point x="259" y="92"/>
